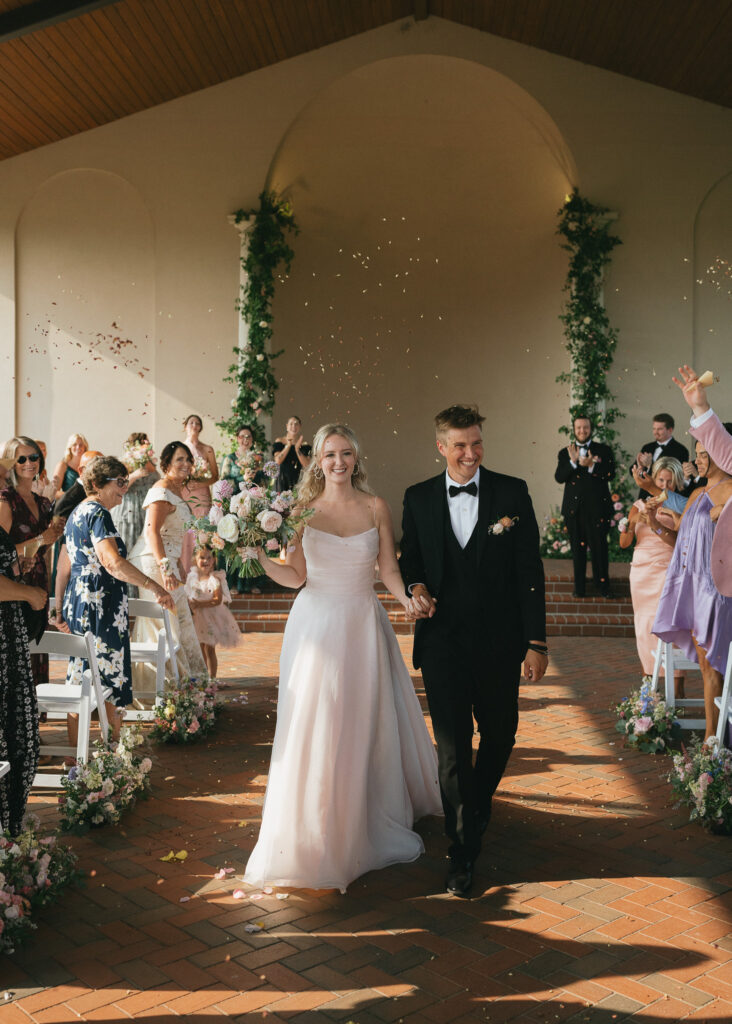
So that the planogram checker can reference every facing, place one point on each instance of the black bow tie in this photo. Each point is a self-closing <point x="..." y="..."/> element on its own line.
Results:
<point x="471" y="488"/>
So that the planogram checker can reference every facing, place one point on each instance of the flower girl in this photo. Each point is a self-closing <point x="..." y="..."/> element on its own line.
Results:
<point x="208" y="595"/>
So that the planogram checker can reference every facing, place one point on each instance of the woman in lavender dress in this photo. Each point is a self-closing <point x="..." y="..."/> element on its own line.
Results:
<point x="692" y="613"/>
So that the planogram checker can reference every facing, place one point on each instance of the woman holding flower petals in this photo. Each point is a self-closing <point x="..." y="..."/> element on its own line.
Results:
<point x="654" y="534"/>
<point x="197" y="489"/>
<point x="352" y="766"/>
<point x="691" y="612"/>
<point x="158" y="553"/>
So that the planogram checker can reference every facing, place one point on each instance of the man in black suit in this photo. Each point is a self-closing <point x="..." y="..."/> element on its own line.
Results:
<point x="586" y="467"/>
<point x="663" y="443"/>
<point x="470" y="562"/>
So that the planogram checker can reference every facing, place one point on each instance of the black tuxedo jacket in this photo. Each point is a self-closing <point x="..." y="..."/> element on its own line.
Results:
<point x="673" y="449"/>
<point x="511" y="601"/>
<point x="582" y="489"/>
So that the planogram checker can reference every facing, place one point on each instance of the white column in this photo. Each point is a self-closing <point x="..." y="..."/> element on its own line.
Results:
<point x="243" y="228"/>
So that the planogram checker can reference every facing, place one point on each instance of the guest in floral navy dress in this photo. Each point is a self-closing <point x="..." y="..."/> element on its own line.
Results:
<point x="26" y="518"/>
<point x="96" y="595"/>
<point x="18" y="709"/>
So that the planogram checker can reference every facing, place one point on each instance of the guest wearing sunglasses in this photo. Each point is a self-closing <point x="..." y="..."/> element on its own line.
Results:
<point x="26" y="517"/>
<point x="96" y="595"/>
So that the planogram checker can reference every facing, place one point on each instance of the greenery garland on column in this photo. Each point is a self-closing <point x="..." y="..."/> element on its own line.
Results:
<point x="590" y="342"/>
<point x="252" y="373"/>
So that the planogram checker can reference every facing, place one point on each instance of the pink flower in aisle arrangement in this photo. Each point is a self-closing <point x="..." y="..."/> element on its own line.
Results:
<point x="255" y="517"/>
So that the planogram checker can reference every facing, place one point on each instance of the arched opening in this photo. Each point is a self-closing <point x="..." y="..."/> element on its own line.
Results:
<point x="427" y="268"/>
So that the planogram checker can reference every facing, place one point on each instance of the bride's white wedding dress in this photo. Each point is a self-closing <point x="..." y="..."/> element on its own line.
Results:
<point x="352" y="766"/>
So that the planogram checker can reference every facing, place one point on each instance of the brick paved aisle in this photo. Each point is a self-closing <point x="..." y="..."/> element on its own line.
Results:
<point x="594" y="901"/>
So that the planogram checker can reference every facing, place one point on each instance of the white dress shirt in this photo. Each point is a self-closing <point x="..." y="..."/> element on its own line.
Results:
<point x="463" y="508"/>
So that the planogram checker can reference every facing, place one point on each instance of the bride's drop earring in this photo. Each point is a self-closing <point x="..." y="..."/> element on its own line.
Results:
<point x="317" y="471"/>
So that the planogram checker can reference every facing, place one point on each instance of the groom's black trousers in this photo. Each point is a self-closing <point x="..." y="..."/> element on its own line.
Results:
<point x="462" y="686"/>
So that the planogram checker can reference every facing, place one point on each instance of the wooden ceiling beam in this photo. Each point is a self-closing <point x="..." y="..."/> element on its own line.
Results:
<point x="43" y="14"/>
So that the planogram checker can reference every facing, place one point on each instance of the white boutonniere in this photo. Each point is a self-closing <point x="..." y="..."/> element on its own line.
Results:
<point x="503" y="525"/>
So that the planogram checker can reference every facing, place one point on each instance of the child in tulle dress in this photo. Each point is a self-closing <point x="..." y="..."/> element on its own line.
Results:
<point x="208" y="596"/>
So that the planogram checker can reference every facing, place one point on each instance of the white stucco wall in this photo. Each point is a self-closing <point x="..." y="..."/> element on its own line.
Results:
<point x="474" y="146"/>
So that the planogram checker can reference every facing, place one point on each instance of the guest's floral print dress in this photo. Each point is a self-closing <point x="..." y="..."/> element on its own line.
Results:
<point x="97" y="601"/>
<point x="19" y="741"/>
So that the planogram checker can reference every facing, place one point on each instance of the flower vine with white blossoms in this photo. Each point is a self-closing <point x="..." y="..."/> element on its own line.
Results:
<point x="254" y="517"/>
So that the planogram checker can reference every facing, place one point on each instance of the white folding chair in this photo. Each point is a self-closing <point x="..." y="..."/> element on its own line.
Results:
<point x="671" y="658"/>
<point x="154" y="652"/>
<point x="724" y="703"/>
<point x="4" y="768"/>
<point x="61" y="699"/>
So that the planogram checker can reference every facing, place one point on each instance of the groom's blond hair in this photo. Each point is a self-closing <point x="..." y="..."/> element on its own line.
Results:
<point x="457" y="417"/>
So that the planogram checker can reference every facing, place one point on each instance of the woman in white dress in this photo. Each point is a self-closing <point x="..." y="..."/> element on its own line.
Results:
<point x="157" y="553"/>
<point x="352" y="766"/>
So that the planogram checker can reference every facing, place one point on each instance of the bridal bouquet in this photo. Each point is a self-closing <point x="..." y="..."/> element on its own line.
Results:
<point x="646" y="721"/>
<point x="250" y="518"/>
<point x="201" y="470"/>
<point x="137" y="455"/>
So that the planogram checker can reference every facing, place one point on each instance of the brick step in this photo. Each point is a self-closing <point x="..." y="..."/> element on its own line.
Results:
<point x="267" y="613"/>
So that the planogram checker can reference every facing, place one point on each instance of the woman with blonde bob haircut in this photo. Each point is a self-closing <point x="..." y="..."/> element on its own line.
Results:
<point x="353" y="766"/>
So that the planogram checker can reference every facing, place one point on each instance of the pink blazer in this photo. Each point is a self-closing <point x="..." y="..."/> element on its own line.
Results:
<point x="718" y="443"/>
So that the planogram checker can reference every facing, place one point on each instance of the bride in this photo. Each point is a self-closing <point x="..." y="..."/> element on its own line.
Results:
<point x="352" y="764"/>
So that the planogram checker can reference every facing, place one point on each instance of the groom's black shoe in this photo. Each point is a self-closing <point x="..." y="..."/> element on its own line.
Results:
<point x="459" y="878"/>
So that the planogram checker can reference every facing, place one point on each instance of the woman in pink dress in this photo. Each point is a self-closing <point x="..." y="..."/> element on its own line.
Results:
<point x="197" y="492"/>
<point x="654" y="537"/>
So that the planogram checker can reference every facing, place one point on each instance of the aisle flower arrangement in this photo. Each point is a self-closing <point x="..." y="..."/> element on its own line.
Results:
<point x="187" y="712"/>
<point x="99" y="791"/>
<point x="555" y="536"/>
<point x="253" y="517"/>
<point x="647" y="723"/>
<point x="34" y="869"/>
<point x="701" y="779"/>
<point x="137" y="455"/>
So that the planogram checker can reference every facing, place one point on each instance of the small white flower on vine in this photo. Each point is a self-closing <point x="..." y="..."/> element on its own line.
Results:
<point x="262" y="323"/>
<point x="586" y="320"/>
<point x="260" y="358"/>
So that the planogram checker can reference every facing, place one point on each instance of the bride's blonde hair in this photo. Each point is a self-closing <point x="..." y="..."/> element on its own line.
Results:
<point x="312" y="484"/>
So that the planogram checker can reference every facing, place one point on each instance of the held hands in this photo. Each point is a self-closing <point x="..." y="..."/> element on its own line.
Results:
<point x="171" y="583"/>
<point x="421" y="604"/>
<point x="694" y="393"/>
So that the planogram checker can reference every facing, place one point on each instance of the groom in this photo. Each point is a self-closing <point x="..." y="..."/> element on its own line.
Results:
<point x="470" y="562"/>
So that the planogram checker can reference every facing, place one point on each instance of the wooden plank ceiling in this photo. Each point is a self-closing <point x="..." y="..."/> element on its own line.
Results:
<point x="67" y="65"/>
